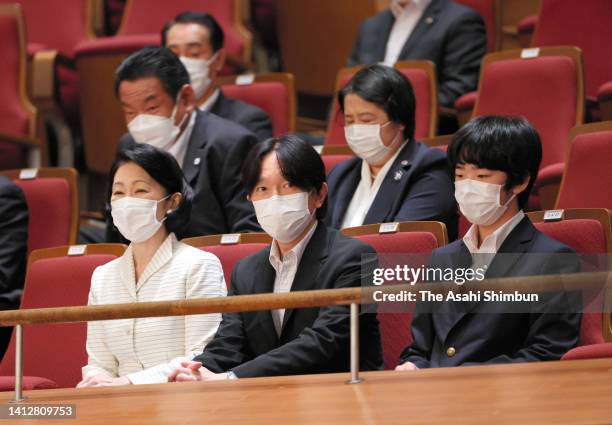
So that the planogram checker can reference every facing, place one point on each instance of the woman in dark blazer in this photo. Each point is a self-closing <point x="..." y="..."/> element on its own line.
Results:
<point x="393" y="177"/>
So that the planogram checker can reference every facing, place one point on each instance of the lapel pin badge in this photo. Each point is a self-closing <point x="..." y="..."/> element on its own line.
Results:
<point x="196" y="161"/>
<point x="404" y="163"/>
<point x="429" y="20"/>
<point x="398" y="175"/>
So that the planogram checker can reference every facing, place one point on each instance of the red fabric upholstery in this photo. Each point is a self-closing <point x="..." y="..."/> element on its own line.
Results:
<point x="330" y="161"/>
<point x="527" y="24"/>
<point x="229" y="255"/>
<point x="13" y="117"/>
<point x="7" y="383"/>
<point x="586" y="237"/>
<point x="56" y="24"/>
<point x="395" y="327"/>
<point x="464" y="225"/>
<point x="605" y="91"/>
<point x="48" y="203"/>
<point x="124" y="44"/>
<point x="550" y="174"/>
<point x="486" y="8"/>
<point x="271" y="97"/>
<point x="420" y="84"/>
<point x="149" y="16"/>
<point x="542" y="89"/>
<point x="588" y="27"/>
<point x="466" y="102"/>
<point x="55" y="351"/>
<point x="594" y="351"/>
<point x="589" y="174"/>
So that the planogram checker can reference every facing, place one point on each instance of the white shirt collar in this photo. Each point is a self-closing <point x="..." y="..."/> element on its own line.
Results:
<point x="208" y="103"/>
<point x="494" y="241"/>
<point x="366" y="174"/>
<point x="414" y="5"/>
<point x="295" y="254"/>
<point x="179" y="148"/>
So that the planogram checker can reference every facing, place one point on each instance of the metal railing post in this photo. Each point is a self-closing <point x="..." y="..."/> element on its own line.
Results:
<point x="355" y="379"/>
<point x="19" y="364"/>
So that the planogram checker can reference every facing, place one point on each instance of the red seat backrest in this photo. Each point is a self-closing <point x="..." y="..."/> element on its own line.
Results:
<point x="330" y="161"/>
<point x="419" y="80"/>
<point x="543" y="89"/>
<point x="50" y="211"/>
<point x="56" y="24"/>
<point x="395" y="326"/>
<point x="588" y="175"/>
<point x="271" y="97"/>
<point x="587" y="237"/>
<point x="14" y="119"/>
<point x="486" y="8"/>
<point x="588" y="27"/>
<point x="55" y="351"/>
<point x="149" y="16"/>
<point x="229" y="255"/>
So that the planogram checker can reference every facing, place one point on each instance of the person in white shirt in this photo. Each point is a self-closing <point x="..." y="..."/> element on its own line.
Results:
<point x="393" y="177"/>
<point x="198" y="40"/>
<point x="496" y="161"/>
<point x="149" y="200"/>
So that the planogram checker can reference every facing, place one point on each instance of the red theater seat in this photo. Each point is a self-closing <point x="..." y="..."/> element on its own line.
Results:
<point x="411" y="237"/>
<point x="18" y="117"/>
<point x="274" y="93"/>
<point x="587" y="182"/>
<point x="333" y="155"/>
<point x="52" y="198"/>
<point x="488" y="9"/>
<point x="56" y="277"/>
<point x="588" y="232"/>
<point x="422" y="77"/>
<point x="230" y="248"/>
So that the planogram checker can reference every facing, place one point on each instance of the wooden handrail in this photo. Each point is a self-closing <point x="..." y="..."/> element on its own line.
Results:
<point x="298" y="299"/>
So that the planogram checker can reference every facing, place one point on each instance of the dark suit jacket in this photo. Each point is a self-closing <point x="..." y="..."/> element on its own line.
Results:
<point x="13" y="243"/>
<point x="212" y="165"/>
<point x="312" y="340"/>
<point x="451" y="35"/>
<point x="481" y="333"/>
<point x="417" y="187"/>
<point x="245" y="114"/>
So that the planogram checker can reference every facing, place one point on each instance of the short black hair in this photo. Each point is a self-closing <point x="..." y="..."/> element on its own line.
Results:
<point x="503" y="143"/>
<point x="206" y="20"/>
<point x="163" y="168"/>
<point x="300" y="164"/>
<point x="156" y="62"/>
<point x="387" y="88"/>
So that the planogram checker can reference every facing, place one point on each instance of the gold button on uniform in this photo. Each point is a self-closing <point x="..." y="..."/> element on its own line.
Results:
<point x="450" y="351"/>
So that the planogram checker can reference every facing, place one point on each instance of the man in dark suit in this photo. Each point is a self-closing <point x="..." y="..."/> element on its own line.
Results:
<point x="158" y="103"/>
<point x="407" y="180"/>
<point x="304" y="255"/>
<point x="197" y="38"/>
<point x="13" y="250"/>
<point x="451" y="35"/>
<point x="496" y="160"/>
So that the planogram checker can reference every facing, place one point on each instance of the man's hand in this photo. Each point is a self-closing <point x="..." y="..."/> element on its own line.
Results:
<point x="194" y="371"/>
<point x="406" y="366"/>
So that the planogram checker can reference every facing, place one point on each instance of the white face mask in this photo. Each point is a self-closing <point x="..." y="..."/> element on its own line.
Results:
<point x="284" y="217"/>
<point x="365" y="141"/>
<point x="199" y="70"/>
<point x="479" y="202"/>
<point x="155" y="130"/>
<point x="136" y="218"/>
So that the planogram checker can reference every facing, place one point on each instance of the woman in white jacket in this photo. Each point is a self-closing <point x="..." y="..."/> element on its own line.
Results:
<point x="149" y="200"/>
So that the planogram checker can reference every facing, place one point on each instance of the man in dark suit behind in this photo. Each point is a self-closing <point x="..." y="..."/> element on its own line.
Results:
<point x="451" y="35"/>
<point x="197" y="38"/>
<point x="13" y="250"/>
<point x="285" y="178"/>
<point x="496" y="161"/>
<point x="158" y="103"/>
